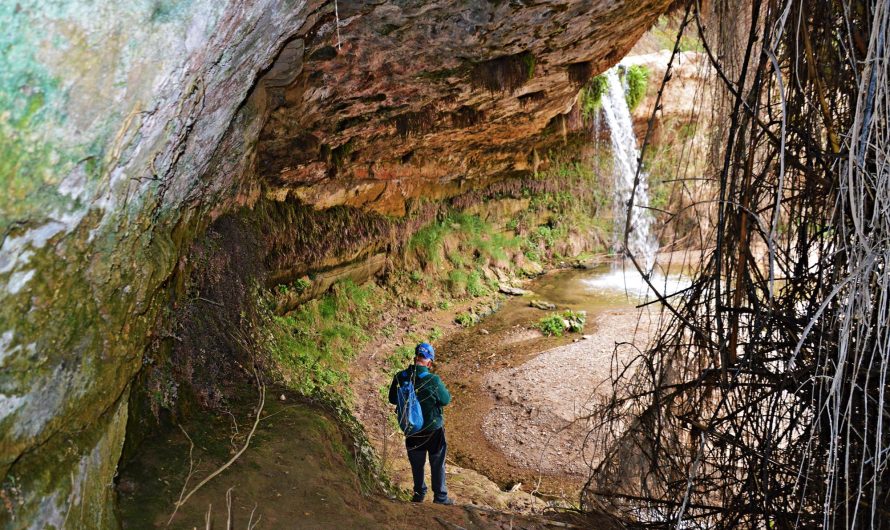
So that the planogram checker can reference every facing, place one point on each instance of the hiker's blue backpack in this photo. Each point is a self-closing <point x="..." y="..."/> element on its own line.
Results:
<point x="409" y="412"/>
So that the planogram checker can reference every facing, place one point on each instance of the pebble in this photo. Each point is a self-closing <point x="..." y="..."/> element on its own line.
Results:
<point x="283" y="397"/>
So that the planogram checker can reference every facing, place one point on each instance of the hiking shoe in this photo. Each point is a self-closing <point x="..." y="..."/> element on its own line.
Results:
<point x="447" y="501"/>
<point x="417" y="498"/>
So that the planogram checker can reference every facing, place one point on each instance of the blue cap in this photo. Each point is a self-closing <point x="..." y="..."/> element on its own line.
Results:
<point x="425" y="350"/>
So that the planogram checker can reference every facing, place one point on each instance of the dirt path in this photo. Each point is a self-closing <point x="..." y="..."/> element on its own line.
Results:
<point x="298" y="473"/>
<point x="371" y="375"/>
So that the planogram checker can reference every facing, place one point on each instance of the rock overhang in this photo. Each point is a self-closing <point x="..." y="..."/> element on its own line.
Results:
<point x="132" y="128"/>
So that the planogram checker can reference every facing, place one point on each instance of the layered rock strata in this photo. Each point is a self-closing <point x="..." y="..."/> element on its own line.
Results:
<point x="126" y="129"/>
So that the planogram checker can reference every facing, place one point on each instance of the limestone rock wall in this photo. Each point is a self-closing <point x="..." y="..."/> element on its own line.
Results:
<point x="126" y="128"/>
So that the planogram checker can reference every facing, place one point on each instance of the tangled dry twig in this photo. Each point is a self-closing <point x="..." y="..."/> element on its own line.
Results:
<point x="762" y="402"/>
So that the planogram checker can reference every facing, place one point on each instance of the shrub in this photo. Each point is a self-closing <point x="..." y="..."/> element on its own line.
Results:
<point x="465" y="319"/>
<point x="552" y="325"/>
<point x="402" y="356"/>
<point x="555" y="324"/>
<point x="574" y="320"/>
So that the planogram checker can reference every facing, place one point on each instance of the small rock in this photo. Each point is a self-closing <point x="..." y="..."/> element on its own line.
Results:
<point x="586" y="337"/>
<point x="483" y="331"/>
<point x="283" y="397"/>
<point x="542" y="304"/>
<point x="513" y="291"/>
<point x="532" y="268"/>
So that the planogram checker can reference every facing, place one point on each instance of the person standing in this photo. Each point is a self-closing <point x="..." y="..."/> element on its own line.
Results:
<point x="430" y="439"/>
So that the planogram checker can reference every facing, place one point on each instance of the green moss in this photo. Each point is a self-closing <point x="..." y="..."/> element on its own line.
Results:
<point x="530" y="61"/>
<point x="506" y="73"/>
<point x="340" y="154"/>
<point x="312" y="345"/>
<point x="473" y="231"/>
<point x="581" y="206"/>
<point x="404" y="353"/>
<point x="475" y="286"/>
<point x="457" y="282"/>
<point x="457" y="259"/>
<point x="298" y="286"/>
<point x="465" y="319"/>
<point x="428" y="241"/>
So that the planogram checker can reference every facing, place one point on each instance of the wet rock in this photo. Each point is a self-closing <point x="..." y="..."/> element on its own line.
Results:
<point x="543" y="305"/>
<point x="512" y="291"/>
<point x="590" y="263"/>
<point x="531" y="268"/>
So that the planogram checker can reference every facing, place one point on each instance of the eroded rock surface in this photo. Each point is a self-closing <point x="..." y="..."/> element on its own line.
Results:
<point x="126" y="129"/>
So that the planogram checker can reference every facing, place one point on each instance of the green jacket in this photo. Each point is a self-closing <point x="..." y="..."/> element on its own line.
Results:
<point x="431" y="393"/>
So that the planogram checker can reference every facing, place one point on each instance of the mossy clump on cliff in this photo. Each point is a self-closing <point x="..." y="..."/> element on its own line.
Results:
<point x="591" y="96"/>
<point x="636" y="77"/>
<point x="466" y="116"/>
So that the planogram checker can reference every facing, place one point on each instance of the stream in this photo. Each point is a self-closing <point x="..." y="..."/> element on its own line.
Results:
<point x="520" y="398"/>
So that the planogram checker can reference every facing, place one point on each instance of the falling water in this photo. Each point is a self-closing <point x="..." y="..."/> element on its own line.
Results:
<point x="625" y="154"/>
<point x="641" y="243"/>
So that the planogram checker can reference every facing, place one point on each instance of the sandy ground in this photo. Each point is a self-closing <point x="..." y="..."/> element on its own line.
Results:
<point x="516" y="422"/>
<point x="371" y="375"/>
<point x="539" y="418"/>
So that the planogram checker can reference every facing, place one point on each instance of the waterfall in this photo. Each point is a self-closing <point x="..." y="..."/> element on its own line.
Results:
<point x="625" y="155"/>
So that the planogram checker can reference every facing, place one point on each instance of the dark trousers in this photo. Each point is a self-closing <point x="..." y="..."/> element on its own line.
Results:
<point x="418" y="446"/>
